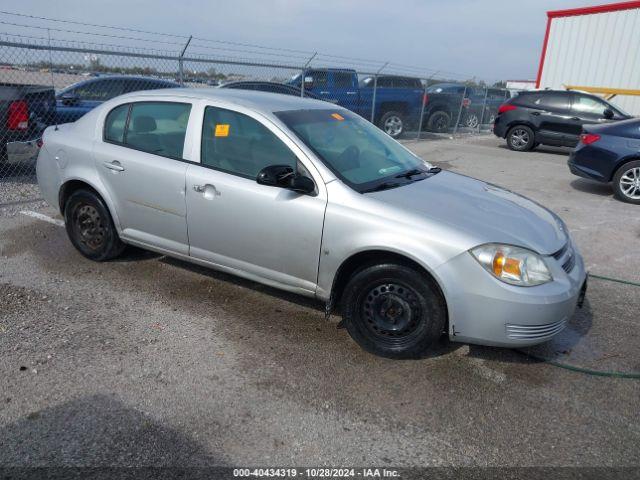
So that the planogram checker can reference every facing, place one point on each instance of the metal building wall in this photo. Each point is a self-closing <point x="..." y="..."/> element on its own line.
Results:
<point x="595" y="50"/>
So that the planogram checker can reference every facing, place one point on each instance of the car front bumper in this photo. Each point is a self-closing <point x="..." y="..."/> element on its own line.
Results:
<point x="483" y="310"/>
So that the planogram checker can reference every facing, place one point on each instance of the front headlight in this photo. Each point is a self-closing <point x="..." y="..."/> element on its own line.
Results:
<point x="513" y="265"/>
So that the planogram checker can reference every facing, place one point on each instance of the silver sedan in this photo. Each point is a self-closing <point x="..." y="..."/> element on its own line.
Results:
<point x="308" y="197"/>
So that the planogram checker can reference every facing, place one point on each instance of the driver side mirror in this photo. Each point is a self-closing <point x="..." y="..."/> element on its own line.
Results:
<point x="608" y="113"/>
<point x="284" y="176"/>
<point x="69" y="99"/>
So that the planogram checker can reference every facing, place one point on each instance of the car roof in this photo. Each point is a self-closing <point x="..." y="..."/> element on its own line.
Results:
<point x="135" y="78"/>
<point x="266" y="102"/>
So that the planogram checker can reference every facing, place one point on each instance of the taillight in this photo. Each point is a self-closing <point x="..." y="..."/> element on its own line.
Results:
<point x="425" y="99"/>
<point x="18" y="117"/>
<point x="506" y="107"/>
<point x="589" y="138"/>
<point x="466" y="102"/>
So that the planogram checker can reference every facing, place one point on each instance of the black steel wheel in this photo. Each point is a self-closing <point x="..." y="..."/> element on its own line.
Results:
<point x="393" y="310"/>
<point x="90" y="226"/>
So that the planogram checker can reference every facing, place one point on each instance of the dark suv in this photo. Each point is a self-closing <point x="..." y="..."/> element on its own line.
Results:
<point x="551" y="117"/>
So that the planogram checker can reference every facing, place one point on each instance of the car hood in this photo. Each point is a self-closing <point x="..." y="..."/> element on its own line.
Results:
<point x="484" y="211"/>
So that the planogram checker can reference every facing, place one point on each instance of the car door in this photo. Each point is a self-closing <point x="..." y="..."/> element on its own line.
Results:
<point x="265" y="233"/>
<point x="587" y="109"/>
<point x="140" y="162"/>
<point x="552" y="114"/>
<point x="345" y="89"/>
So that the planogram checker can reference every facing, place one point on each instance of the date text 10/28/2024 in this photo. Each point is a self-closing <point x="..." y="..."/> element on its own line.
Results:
<point x="317" y="472"/>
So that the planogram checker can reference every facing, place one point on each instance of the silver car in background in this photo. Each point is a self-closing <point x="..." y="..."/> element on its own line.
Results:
<point x="308" y="197"/>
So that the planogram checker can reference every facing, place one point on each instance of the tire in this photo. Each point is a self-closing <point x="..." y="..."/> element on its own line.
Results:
<point x="472" y="121"/>
<point x="520" y="138"/>
<point x="439" y="122"/>
<point x="90" y="227"/>
<point x="393" y="311"/>
<point x="626" y="182"/>
<point x="392" y="123"/>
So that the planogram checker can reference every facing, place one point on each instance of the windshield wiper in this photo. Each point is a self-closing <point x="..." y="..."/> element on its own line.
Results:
<point x="383" y="186"/>
<point x="417" y="171"/>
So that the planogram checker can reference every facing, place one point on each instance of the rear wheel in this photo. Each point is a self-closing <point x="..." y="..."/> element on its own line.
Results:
<point x="439" y="122"/>
<point x="626" y="182"/>
<point x="520" y="138"/>
<point x="393" y="311"/>
<point x="392" y="123"/>
<point x="90" y="226"/>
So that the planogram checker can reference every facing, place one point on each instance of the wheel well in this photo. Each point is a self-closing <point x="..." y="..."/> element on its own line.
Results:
<point x="392" y="106"/>
<point x="373" y="257"/>
<point x="622" y="164"/>
<point x="69" y="188"/>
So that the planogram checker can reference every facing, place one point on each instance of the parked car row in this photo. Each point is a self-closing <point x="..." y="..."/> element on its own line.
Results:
<point x="396" y="102"/>
<point x="606" y="139"/>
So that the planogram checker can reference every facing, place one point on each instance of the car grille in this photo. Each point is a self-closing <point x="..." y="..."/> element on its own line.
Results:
<point x="566" y="256"/>
<point x="534" y="332"/>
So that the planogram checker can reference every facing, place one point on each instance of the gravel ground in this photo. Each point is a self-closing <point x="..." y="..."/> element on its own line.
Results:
<point x="152" y="361"/>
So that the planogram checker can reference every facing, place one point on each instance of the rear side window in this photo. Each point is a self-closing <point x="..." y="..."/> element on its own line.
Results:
<point x="543" y="100"/>
<point x="342" y="79"/>
<point x="100" y="90"/>
<point x="158" y="127"/>
<point x="236" y="143"/>
<point x="115" y="124"/>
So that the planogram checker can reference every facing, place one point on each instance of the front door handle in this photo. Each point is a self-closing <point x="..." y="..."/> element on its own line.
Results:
<point x="116" y="166"/>
<point x="208" y="191"/>
<point x="535" y="113"/>
<point x="575" y="118"/>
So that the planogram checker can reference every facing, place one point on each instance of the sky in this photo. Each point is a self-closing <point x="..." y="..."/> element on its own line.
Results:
<point x="490" y="40"/>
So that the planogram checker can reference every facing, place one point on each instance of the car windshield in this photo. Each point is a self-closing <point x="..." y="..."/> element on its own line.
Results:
<point x="360" y="154"/>
<point x="616" y="107"/>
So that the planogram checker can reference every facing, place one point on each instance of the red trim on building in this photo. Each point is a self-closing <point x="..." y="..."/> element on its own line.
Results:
<point x="611" y="7"/>
<point x="544" y="52"/>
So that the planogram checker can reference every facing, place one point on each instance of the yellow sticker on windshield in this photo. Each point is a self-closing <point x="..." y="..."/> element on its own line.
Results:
<point x="222" y="130"/>
<point x="337" y="116"/>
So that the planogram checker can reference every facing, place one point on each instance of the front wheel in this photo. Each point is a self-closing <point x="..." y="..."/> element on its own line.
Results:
<point x="90" y="227"/>
<point x="520" y="138"/>
<point x="626" y="182"/>
<point x="392" y="123"/>
<point x="393" y="311"/>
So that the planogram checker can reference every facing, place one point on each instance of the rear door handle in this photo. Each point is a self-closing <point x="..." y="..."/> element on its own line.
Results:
<point x="535" y="113"/>
<point x="575" y="118"/>
<point x="116" y="166"/>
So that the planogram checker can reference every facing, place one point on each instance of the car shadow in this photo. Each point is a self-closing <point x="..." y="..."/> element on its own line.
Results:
<point x="563" y="151"/>
<point x="591" y="186"/>
<point x="440" y="347"/>
<point x="97" y="431"/>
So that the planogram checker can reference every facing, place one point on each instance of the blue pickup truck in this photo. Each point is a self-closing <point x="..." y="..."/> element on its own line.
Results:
<point x="398" y="100"/>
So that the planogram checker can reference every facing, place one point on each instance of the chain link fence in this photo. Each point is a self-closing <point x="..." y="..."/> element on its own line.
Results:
<point x="45" y="81"/>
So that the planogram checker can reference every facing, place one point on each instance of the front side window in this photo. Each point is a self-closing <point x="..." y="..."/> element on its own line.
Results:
<point x="360" y="154"/>
<point x="115" y="124"/>
<point x="158" y="128"/>
<point x="589" y="105"/>
<point x="236" y="143"/>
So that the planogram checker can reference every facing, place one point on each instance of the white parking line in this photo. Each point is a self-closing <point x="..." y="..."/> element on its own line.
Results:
<point x="43" y="217"/>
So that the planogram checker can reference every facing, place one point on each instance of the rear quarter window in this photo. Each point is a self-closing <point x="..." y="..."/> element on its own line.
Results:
<point x="115" y="124"/>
